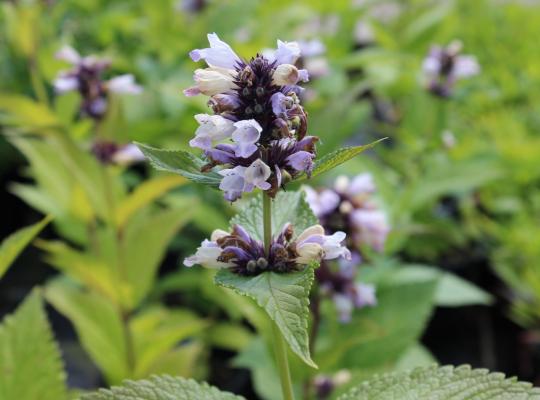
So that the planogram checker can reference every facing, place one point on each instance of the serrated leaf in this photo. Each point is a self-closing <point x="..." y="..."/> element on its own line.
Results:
<point x="443" y="383"/>
<point x="30" y="362"/>
<point x="285" y="298"/>
<point x="12" y="246"/>
<point x="98" y="325"/>
<point x="162" y="387"/>
<point x="286" y="207"/>
<point x="180" y="162"/>
<point x="337" y="157"/>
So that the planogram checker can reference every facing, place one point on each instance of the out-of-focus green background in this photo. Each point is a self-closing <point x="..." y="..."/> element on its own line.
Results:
<point x="459" y="179"/>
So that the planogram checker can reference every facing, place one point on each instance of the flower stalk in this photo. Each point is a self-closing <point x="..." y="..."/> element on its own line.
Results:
<point x="280" y="348"/>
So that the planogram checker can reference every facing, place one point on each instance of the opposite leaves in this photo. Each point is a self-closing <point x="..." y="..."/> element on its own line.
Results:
<point x="285" y="297"/>
<point x="443" y="383"/>
<point x="162" y="388"/>
<point x="188" y="165"/>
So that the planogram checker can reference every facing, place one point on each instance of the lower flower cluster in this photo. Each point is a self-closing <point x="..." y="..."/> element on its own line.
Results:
<point x="244" y="255"/>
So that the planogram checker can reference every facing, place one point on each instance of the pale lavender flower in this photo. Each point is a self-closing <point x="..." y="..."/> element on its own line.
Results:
<point x="124" y="84"/>
<point x="86" y="78"/>
<point x="443" y="66"/>
<point x="219" y="54"/>
<point x="373" y="227"/>
<point x="246" y="136"/>
<point x="212" y="128"/>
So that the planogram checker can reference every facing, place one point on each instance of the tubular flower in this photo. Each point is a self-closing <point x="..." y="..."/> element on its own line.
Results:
<point x="245" y="255"/>
<point x="348" y="208"/>
<point x="443" y="66"/>
<point x="265" y="143"/>
<point x="86" y="78"/>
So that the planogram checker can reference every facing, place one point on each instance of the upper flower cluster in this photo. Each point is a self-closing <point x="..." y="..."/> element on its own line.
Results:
<point x="86" y="78"/>
<point x="245" y="255"/>
<point x="443" y="66"/>
<point x="348" y="207"/>
<point x="259" y="129"/>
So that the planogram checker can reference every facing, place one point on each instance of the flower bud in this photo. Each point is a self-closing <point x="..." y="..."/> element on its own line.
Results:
<point x="285" y="74"/>
<point x="212" y="81"/>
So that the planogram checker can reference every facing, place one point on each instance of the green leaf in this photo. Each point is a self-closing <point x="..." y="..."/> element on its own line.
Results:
<point x="286" y="207"/>
<point x="180" y="162"/>
<point x="443" y="383"/>
<point x="453" y="291"/>
<point x="145" y="194"/>
<point x="30" y="362"/>
<point x="24" y="112"/>
<point x="337" y="157"/>
<point x="144" y="244"/>
<point x="285" y="297"/>
<point x="156" y="332"/>
<point x="378" y="336"/>
<point x="98" y="325"/>
<point x="12" y="246"/>
<point x="162" y="387"/>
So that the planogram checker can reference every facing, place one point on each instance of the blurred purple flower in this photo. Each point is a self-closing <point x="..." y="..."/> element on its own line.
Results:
<point x="444" y="66"/>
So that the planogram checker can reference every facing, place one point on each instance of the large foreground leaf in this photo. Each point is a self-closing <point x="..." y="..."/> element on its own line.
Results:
<point x="162" y="388"/>
<point x="286" y="207"/>
<point x="30" y="363"/>
<point x="16" y="242"/>
<point x="180" y="162"/>
<point x="444" y="383"/>
<point x="285" y="297"/>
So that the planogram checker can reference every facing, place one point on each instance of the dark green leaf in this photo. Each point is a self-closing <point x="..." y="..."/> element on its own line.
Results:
<point x="285" y="297"/>
<point x="443" y="383"/>
<point x="162" y="387"/>
<point x="180" y="162"/>
<point x="338" y="157"/>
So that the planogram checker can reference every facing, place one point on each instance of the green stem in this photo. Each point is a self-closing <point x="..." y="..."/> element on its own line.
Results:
<point x="280" y="347"/>
<point x="267" y="221"/>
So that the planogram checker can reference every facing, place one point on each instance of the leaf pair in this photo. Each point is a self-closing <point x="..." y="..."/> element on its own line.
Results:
<point x="189" y="166"/>
<point x="426" y="383"/>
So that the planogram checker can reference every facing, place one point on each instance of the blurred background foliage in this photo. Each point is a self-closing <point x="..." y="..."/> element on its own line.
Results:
<point x="458" y="177"/>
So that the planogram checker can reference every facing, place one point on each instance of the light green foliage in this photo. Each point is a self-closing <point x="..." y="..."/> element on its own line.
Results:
<point x="152" y="334"/>
<point x="287" y="207"/>
<point x="30" y="363"/>
<point x="98" y="325"/>
<point x="180" y="162"/>
<point x="162" y="388"/>
<point x="443" y="383"/>
<point x="285" y="297"/>
<point x="11" y="246"/>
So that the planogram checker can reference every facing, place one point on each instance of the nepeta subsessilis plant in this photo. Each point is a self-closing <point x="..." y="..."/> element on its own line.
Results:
<point x="257" y="138"/>
<point x="443" y="66"/>
<point x="348" y="206"/>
